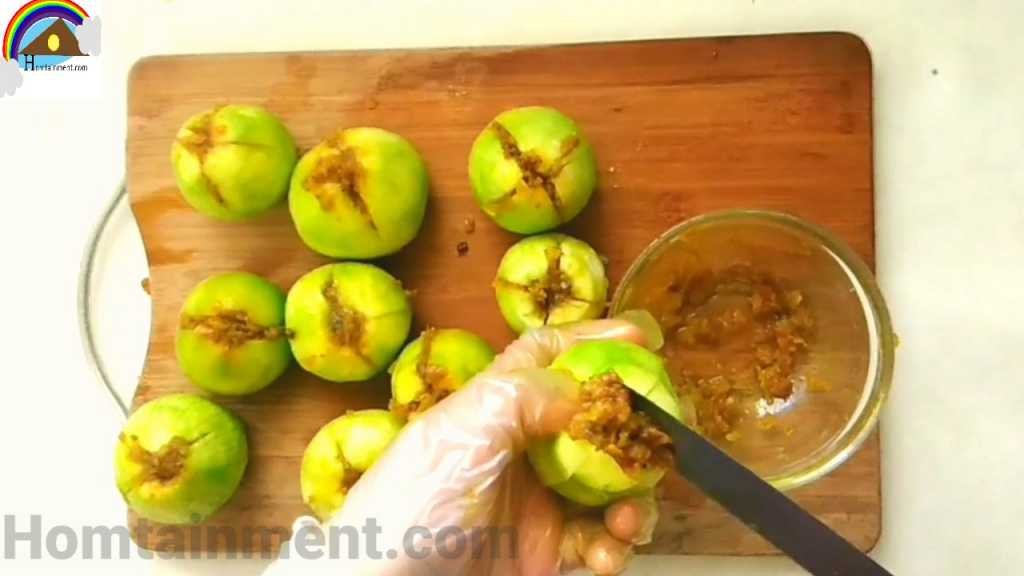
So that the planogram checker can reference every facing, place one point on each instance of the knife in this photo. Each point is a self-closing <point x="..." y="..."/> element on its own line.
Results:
<point x="767" y="511"/>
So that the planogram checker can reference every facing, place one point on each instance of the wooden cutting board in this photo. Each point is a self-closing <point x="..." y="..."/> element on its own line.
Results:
<point x="680" y="127"/>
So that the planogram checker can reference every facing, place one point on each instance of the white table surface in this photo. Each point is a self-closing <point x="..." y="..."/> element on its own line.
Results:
<point x="949" y="141"/>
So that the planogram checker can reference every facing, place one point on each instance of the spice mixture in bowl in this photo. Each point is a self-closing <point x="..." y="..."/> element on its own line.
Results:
<point x="775" y="330"/>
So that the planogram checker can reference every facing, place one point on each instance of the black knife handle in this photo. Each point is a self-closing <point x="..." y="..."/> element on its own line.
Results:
<point x="767" y="511"/>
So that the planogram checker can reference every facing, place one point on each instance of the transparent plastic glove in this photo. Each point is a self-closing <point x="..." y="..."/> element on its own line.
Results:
<point x="455" y="495"/>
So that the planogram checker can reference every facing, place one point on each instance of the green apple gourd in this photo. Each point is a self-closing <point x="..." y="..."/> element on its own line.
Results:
<point x="231" y="338"/>
<point x="347" y="321"/>
<point x="434" y="365"/>
<point x="360" y="194"/>
<point x="608" y="451"/>
<point x="233" y="162"/>
<point x="550" y="279"/>
<point x="340" y="453"/>
<point x="532" y="169"/>
<point x="180" y="458"/>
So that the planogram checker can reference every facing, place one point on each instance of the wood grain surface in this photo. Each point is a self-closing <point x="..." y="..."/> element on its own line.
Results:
<point x="680" y="127"/>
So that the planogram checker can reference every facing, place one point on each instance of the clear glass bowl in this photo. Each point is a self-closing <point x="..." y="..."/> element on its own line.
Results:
<point x="844" y="377"/>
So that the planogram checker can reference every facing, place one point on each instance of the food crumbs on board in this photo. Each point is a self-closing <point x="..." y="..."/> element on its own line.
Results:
<point x="611" y="169"/>
<point x="145" y="285"/>
<point x="456" y="91"/>
<point x="462" y="248"/>
<point x="469" y="225"/>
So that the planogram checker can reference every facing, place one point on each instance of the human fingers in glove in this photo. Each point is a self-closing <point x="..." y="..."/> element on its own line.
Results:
<point x="455" y="495"/>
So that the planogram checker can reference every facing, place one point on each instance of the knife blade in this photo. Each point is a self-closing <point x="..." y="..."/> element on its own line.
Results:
<point x="760" y="506"/>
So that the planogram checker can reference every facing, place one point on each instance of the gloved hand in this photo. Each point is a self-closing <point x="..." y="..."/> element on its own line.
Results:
<point x="454" y="494"/>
